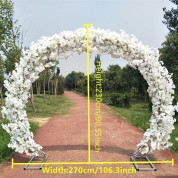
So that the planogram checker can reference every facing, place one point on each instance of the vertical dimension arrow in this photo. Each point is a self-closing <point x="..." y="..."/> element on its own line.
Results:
<point x="87" y="26"/>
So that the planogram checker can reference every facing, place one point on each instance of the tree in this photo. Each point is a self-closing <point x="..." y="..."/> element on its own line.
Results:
<point x="169" y="55"/>
<point x="113" y="76"/>
<point x="171" y="17"/>
<point x="10" y="47"/>
<point x="133" y="81"/>
<point x="61" y="85"/>
<point x="71" y="80"/>
<point x="129" y="79"/>
<point x="97" y="59"/>
<point x="56" y="80"/>
<point x="169" y="50"/>
<point x="10" y="42"/>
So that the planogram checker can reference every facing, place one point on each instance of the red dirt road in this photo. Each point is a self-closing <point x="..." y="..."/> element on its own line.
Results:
<point x="64" y="139"/>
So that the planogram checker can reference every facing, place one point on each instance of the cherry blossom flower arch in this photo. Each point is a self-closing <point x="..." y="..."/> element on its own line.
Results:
<point x="48" y="50"/>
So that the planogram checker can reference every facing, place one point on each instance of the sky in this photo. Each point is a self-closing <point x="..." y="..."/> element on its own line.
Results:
<point x="143" y="18"/>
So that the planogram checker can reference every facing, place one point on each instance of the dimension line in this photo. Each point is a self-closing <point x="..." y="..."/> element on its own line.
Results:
<point x="93" y="163"/>
<point x="88" y="84"/>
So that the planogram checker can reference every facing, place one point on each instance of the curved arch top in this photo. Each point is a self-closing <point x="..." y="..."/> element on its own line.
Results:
<point x="48" y="50"/>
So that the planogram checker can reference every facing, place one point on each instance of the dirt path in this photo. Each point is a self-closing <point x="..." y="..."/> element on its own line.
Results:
<point x="65" y="140"/>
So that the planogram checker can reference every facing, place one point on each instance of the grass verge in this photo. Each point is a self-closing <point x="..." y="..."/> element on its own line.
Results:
<point x="46" y="106"/>
<point x="138" y="115"/>
<point x="4" y="139"/>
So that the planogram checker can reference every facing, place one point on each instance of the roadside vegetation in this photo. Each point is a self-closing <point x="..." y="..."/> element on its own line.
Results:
<point x="46" y="93"/>
<point x="139" y="115"/>
<point x="46" y="107"/>
<point x="4" y="139"/>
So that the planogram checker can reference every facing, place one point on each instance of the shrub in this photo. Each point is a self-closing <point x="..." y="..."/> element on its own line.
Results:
<point x="120" y="100"/>
<point x="174" y="103"/>
<point x="4" y="139"/>
<point x="150" y="106"/>
<point x="126" y="100"/>
<point x="34" y="126"/>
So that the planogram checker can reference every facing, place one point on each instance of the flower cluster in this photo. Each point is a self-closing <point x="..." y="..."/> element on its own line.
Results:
<point x="48" y="50"/>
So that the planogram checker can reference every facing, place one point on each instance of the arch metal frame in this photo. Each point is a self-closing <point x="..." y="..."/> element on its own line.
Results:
<point x="48" y="50"/>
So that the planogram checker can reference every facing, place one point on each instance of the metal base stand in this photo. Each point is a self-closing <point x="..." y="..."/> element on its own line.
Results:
<point x="143" y="158"/>
<point x="140" y="155"/>
<point x="36" y="159"/>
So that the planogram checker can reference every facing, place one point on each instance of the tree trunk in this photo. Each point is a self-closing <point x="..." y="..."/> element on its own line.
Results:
<point x="49" y="91"/>
<point x="56" y="87"/>
<point x="32" y="98"/>
<point x="44" y="86"/>
<point x="1" y="95"/>
<point x="38" y="87"/>
<point x="145" y="94"/>
<point x="134" y="92"/>
<point x="52" y="88"/>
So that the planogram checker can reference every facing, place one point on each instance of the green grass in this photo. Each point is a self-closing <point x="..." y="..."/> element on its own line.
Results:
<point x="174" y="134"/>
<point x="47" y="106"/>
<point x="138" y="115"/>
<point x="34" y="126"/>
<point x="4" y="139"/>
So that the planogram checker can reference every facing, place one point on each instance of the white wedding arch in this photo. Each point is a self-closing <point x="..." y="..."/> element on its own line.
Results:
<point x="48" y="50"/>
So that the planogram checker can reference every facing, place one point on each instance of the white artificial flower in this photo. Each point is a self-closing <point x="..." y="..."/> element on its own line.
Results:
<point x="48" y="50"/>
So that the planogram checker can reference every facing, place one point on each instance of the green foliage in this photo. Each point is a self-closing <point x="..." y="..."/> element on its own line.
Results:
<point x="169" y="55"/>
<point x="5" y="139"/>
<point x="97" y="60"/>
<point x="120" y="100"/>
<point x="1" y="70"/>
<point x="131" y="78"/>
<point x="1" y="77"/>
<point x="47" y="106"/>
<point x="61" y="85"/>
<point x="83" y="88"/>
<point x="112" y="77"/>
<point x="139" y="115"/>
<point x="6" y="11"/>
<point x="70" y="81"/>
<point x="34" y="126"/>
<point x="50" y="81"/>
<point x="169" y="49"/>
<point x="10" y="46"/>
<point x="116" y="99"/>
<point x="172" y="140"/>
<point x="175" y="101"/>
<point x="170" y="17"/>
<point x="114" y="80"/>
<point x="74" y="80"/>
